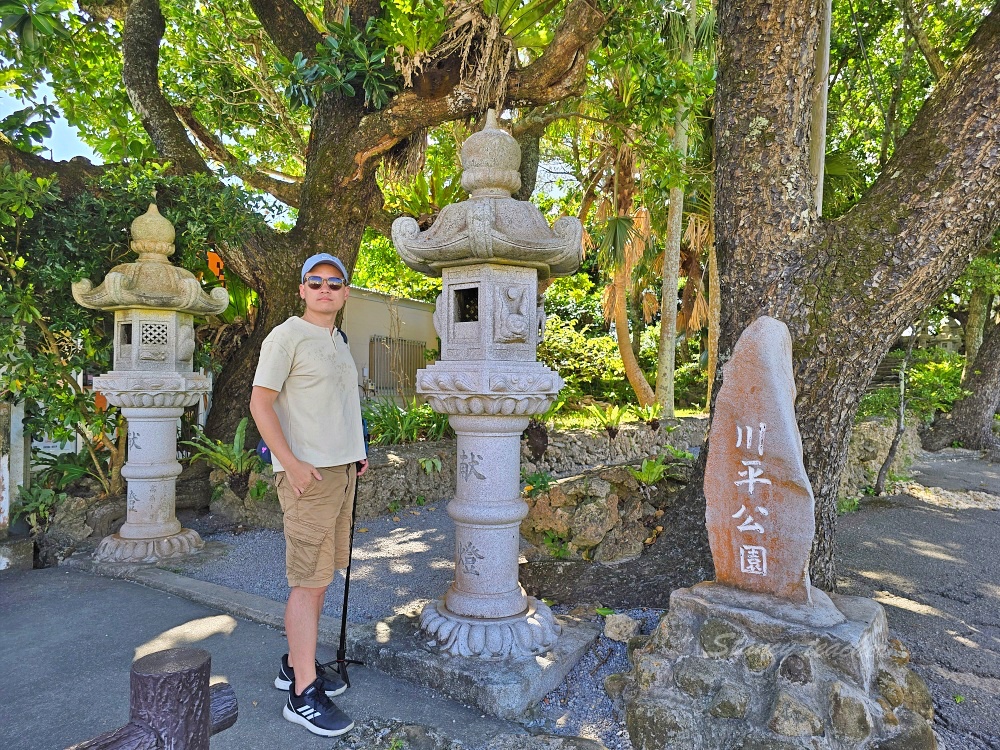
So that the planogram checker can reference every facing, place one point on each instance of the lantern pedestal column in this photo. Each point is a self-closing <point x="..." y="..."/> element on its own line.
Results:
<point x="151" y="531"/>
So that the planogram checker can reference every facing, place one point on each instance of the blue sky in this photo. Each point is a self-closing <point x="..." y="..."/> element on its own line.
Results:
<point x="64" y="143"/>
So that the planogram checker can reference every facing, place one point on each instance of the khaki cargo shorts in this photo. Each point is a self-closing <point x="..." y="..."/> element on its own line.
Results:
<point x="317" y="525"/>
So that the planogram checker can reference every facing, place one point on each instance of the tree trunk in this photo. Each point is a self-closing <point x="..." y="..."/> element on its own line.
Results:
<point x="847" y="287"/>
<point x="275" y="276"/>
<point x="333" y="214"/>
<point x="633" y="371"/>
<point x="970" y="421"/>
<point x="980" y="303"/>
<point x="665" y="364"/>
<point x="714" y="321"/>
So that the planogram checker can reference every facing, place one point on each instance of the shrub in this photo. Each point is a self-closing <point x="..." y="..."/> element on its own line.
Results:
<point x="690" y="385"/>
<point x="37" y="505"/>
<point x="234" y="460"/>
<point x="933" y="384"/>
<point x="574" y="298"/>
<point x="391" y="424"/>
<point x="651" y="471"/>
<point x="588" y="364"/>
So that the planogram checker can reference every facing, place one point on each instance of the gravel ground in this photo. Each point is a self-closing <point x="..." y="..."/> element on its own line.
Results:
<point x="398" y="566"/>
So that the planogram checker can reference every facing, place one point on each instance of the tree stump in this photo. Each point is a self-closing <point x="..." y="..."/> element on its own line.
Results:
<point x="171" y="705"/>
<point x="170" y="693"/>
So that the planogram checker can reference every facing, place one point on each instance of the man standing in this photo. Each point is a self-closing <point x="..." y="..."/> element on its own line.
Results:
<point x="306" y="405"/>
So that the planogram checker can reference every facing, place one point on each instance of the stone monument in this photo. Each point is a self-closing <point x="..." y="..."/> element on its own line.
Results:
<point x="759" y="658"/>
<point x="490" y="251"/>
<point x="152" y="381"/>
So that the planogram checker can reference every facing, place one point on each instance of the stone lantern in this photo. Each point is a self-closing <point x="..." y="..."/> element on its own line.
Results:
<point x="490" y="251"/>
<point x="152" y="381"/>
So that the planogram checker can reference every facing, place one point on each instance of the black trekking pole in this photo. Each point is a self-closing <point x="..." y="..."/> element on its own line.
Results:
<point x="342" y="660"/>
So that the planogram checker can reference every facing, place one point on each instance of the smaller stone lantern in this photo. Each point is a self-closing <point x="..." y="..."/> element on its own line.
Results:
<point x="152" y="382"/>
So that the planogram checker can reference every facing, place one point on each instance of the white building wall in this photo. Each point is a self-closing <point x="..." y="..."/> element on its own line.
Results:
<point x="369" y="313"/>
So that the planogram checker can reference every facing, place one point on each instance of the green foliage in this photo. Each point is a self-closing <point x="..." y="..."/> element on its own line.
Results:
<point x="36" y="505"/>
<point x="555" y="544"/>
<point x="380" y="269"/>
<point x="32" y="23"/>
<point x="575" y="298"/>
<point x="880" y="84"/>
<point x="536" y="482"/>
<point x="847" y="505"/>
<point x="347" y="56"/>
<point x="678" y="453"/>
<point x="690" y="384"/>
<point x="47" y="244"/>
<point x="589" y="365"/>
<point x="64" y="470"/>
<point x="394" y="506"/>
<point x="558" y="404"/>
<point x="609" y="418"/>
<point x="25" y="132"/>
<point x="412" y="27"/>
<point x="258" y="491"/>
<point x="649" y="414"/>
<point x="933" y="384"/>
<point x="604" y="611"/>
<point x="391" y="424"/>
<point x="651" y="471"/>
<point x="432" y="188"/>
<point x="421" y="501"/>
<point x="430" y="464"/>
<point x="234" y="459"/>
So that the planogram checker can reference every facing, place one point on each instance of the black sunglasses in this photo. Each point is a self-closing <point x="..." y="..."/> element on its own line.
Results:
<point x="315" y="282"/>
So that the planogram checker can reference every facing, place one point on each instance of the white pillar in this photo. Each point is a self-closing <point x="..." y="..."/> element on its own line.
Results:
<point x="151" y="472"/>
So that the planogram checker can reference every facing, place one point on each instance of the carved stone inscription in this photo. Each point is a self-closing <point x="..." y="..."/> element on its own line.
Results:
<point x="760" y="502"/>
<point x="468" y="464"/>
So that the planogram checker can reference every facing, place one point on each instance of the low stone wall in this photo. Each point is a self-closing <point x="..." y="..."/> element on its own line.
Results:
<point x="606" y="516"/>
<point x="868" y="448"/>
<point x="574" y="451"/>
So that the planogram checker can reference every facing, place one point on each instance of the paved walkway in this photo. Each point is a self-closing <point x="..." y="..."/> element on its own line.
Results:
<point x="934" y="565"/>
<point x="68" y="638"/>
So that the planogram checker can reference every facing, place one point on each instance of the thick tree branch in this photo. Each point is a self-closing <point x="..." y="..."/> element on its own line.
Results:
<point x="288" y="193"/>
<point x="558" y="73"/>
<point x="381" y="222"/>
<point x="937" y="200"/>
<point x="288" y="26"/>
<point x="916" y="29"/>
<point x="74" y="175"/>
<point x="143" y="32"/>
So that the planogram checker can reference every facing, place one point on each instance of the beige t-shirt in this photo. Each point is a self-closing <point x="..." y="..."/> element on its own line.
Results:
<point x="318" y="404"/>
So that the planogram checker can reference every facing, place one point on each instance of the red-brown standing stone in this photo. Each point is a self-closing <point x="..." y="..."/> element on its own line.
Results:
<point x="760" y="502"/>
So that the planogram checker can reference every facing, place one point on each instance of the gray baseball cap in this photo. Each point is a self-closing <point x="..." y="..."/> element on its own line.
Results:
<point x="315" y="260"/>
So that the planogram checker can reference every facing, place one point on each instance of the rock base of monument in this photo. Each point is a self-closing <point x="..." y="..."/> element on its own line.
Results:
<point x="724" y="670"/>
<point x="505" y="688"/>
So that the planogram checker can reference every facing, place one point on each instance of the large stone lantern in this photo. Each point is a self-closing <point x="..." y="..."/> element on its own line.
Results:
<point x="490" y="251"/>
<point x="152" y="381"/>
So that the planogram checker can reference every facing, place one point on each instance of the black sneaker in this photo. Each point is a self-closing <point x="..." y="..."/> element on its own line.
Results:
<point x="316" y="712"/>
<point x="332" y="684"/>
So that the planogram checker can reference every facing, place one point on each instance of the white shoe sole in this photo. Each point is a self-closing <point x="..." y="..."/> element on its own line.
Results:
<point x="296" y="719"/>
<point x="287" y="685"/>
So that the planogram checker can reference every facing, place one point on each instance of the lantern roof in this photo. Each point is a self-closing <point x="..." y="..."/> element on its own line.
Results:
<point x="151" y="281"/>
